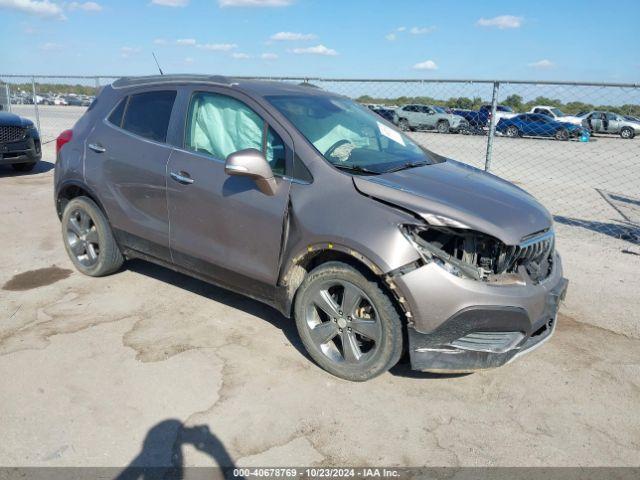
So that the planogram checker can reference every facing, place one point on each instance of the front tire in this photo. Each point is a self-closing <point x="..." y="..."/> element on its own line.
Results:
<point x="347" y="323"/>
<point x="443" y="126"/>
<point x="88" y="239"/>
<point x="512" y="131"/>
<point x="562" y="134"/>
<point x="627" y="133"/>
<point x="23" y="167"/>
<point x="404" y="125"/>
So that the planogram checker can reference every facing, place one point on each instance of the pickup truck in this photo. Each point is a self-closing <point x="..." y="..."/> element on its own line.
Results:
<point x="480" y="118"/>
<point x="556" y="114"/>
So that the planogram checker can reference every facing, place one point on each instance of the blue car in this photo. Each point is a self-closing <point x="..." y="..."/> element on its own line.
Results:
<point x="537" y="125"/>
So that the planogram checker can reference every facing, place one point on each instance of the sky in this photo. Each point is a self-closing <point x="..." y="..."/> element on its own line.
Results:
<point x="490" y="39"/>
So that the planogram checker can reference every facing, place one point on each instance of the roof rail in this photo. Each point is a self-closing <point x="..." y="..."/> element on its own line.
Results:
<point x="125" y="82"/>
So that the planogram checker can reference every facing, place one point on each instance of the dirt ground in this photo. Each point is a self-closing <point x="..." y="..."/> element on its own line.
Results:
<point x="148" y="365"/>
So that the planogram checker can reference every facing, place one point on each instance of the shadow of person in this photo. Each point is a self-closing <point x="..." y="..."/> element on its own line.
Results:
<point x="162" y="458"/>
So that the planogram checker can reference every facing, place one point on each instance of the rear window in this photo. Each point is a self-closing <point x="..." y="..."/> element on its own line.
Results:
<point x="118" y="112"/>
<point x="146" y="114"/>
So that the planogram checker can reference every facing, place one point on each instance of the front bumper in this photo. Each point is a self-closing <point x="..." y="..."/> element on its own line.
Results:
<point x="461" y="325"/>
<point x="27" y="150"/>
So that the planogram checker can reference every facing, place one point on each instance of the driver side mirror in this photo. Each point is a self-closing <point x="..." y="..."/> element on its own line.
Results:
<point x="251" y="163"/>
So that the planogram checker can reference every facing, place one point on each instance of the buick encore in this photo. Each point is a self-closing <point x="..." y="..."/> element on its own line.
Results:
<point x="309" y="202"/>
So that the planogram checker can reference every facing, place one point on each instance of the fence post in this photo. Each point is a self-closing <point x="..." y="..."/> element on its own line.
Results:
<point x="97" y="85"/>
<point x="35" y="101"/>
<point x="492" y="126"/>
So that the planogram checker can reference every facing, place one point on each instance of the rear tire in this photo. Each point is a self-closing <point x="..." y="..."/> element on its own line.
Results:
<point x="88" y="238"/>
<point x="627" y="133"/>
<point x="23" y="167"/>
<point x="347" y="323"/>
<point x="512" y="131"/>
<point x="443" y="126"/>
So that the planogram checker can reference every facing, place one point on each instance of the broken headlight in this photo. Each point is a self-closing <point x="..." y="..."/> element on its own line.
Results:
<point x="463" y="252"/>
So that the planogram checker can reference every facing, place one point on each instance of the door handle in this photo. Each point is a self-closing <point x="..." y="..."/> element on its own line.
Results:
<point x="96" y="147"/>
<point x="182" y="177"/>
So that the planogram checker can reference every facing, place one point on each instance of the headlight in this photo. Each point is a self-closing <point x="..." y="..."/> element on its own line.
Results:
<point x="463" y="252"/>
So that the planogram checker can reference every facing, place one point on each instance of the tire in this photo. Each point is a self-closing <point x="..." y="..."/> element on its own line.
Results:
<point x="23" y="167"/>
<point x="443" y="126"/>
<point x="512" y="131"/>
<point x="339" y="347"/>
<point x="88" y="238"/>
<point x="627" y="133"/>
<point x="561" y="134"/>
<point x="404" y="125"/>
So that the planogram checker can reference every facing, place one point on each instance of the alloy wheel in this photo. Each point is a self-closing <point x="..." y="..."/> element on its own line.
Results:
<point x="82" y="237"/>
<point x="343" y="323"/>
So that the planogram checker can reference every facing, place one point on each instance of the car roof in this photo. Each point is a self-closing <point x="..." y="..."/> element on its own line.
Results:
<point x="257" y="87"/>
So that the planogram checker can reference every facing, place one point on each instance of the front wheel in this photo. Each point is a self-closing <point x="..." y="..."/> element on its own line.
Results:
<point x="347" y="323"/>
<point x="627" y="133"/>
<point x="443" y="127"/>
<point x="512" y="131"/>
<point x="562" y="134"/>
<point x="404" y="125"/>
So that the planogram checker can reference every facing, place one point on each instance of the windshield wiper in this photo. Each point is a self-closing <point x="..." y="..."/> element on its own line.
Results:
<point x="408" y="165"/>
<point x="354" y="168"/>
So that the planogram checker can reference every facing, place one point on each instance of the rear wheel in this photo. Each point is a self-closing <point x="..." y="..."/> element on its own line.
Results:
<point x="23" y="167"/>
<point x="512" y="131"/>
<point x="443" y="126"/>
<point x="347" y="323"/>
<point x="88" y="238"/>
<point x="627" y="132"/>
<point x="562" y="134"/>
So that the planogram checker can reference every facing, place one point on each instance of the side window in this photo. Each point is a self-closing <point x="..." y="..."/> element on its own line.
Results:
<point x="219" y="125"/>
<point x="148" y="114"/>
<point x="118" y="113"/>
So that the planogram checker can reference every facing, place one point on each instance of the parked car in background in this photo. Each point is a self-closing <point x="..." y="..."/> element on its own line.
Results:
<point x="373" y="244"/>
<point x="537" y="125"/>
<point x="610" y="123"/>
<point x="556" y="114"/>
<point x="482" y="116"/>
<point x="74" y="101"/>
<point x="19" y="142"/>
<point x="428" y="117"/>
<point x="385" y="112"/>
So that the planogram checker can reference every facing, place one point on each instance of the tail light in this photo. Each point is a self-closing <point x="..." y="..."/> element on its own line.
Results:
<point x="63" y="138"/>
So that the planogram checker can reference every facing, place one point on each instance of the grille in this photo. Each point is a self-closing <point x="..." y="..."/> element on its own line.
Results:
<point x="11" y="134"/>
<point x="535" y="255"/>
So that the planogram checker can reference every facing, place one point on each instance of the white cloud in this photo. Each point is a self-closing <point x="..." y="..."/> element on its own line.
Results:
<point x="126" y="52"/>
<point x="421" y="30"/>
<point x="188" y="60"/>
<point x="171" y="3"/>
<point x="501" y="22"/>
<point x="401" y="29"/>
<point x="218" y="47"/>
<point x="426" y="65"/>
<point x="542" y="64"/>
<point x="255" y="3"/>
<point x="42" y="8"/>
<point x="269" y="56"/>
<point x="160" y="41"/>
<point x="391" y="37"/>
<point x="317" y="50"/>
<point x="50" y="47"/>
<point x="240" y="56"/>
<point x="292" y="36"/>
<point x="186" y="41"/>
<point x="86" y="6"/>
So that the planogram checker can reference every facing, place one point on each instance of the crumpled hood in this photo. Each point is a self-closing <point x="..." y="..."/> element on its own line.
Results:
<point x="451" y="189"/>
<point x="8" y="119"/>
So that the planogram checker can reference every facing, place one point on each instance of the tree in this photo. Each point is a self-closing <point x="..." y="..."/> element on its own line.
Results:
<point x="514" y="101"/>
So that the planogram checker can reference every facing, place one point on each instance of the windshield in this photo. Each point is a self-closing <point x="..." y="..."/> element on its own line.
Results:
<point x="350" y="136"/>
<point x="557" y="112"/>
<point x="439" y="109"/>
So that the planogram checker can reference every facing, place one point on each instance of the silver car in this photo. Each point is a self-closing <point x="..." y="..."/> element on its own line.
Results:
<point x="429" y="117"/>
<point x="612" y="123"/>
<point x="313" y="204"/>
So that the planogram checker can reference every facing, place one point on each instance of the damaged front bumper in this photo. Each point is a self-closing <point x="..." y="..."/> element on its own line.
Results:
<point x="462" y="325"/>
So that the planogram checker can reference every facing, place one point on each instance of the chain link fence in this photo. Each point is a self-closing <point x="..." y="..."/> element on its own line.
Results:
<point x="575" y="146"/>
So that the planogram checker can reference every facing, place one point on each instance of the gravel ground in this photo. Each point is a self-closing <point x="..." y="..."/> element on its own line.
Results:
<point x="147" y="363"/>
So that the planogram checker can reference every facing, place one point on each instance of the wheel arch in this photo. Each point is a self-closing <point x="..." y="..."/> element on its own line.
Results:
<point x="71" y="189"/>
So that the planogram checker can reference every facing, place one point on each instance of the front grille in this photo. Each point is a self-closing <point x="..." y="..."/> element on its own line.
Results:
<point x="536" y="255"/>
<point x="11" y="134"/>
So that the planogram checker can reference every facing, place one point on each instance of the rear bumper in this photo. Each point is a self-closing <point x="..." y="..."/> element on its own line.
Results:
<point x="461" y="325"/>
<point x="28" y="150"/>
